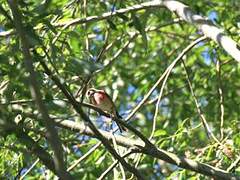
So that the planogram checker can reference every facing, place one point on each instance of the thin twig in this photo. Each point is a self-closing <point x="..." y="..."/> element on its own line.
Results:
<point x="78" y="108"/>
<point x="164" y="75"/>
<point x="85" y="25"/>
<point x="158" y="102"/>
<point x="113" y="165"/>
<point x="234" y="164"/>
<point x="154" y="100"/>
<point x="116" y="148"/>
<point x="156" y="114"/>
<point x="151" y="151"/>
<point x="29" y="169"/>
<point x="117" y="54"/>
<point x="90" y="151"/>
<point x="200" y="113"/>
<point x="103" y="50"/>
<point x="221" y="100"/>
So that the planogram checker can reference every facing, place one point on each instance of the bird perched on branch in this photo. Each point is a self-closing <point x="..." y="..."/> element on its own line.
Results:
<point x="103" y="101"/>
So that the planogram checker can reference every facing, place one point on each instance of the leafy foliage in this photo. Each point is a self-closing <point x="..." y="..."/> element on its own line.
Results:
<point x="125" y="57"/>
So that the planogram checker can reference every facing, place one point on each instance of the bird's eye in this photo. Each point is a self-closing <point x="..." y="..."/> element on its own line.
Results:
<point x="88" y="93"/>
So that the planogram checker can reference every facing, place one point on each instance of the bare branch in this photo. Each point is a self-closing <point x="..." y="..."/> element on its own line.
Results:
<point x="108" y="14"/>
<point x="200" y="113"/>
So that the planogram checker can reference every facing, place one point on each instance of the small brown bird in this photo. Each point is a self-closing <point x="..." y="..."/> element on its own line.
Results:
<point x="103" y="101"/>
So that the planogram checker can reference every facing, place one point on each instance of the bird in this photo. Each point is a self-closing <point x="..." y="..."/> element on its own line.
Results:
<point x="101" y="100"/>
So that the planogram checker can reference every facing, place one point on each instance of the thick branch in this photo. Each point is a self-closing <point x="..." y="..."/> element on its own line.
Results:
<point x="78" y="108"/>
<point x="206" y="26"/>
<point x="108" y="14"/>
<point x="32" y="146"/>
<point x="190" y="164"/>
<point x="35" y="92"/>
<point x="84" y="129"/>
<point x="172" y="158"/>
<point x="183" y="11"/>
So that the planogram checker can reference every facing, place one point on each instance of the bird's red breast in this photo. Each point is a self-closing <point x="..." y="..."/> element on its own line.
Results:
<point x="99" y="97"/>
<point x="103" y="101"/>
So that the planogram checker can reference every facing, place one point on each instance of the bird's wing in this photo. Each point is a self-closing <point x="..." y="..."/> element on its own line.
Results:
<point x="114" y="106"/>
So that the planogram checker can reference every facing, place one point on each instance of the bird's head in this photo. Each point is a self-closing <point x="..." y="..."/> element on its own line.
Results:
<point x="90" y="92"/>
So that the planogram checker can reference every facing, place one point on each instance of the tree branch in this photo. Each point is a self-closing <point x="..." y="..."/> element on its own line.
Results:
<point x="171" y="158"/>
<point x="107" y="15"/>
<point x="183" y="11"/>
<point x="52" y="135"/>
<point x="190" y="164"/>
<point x="206" y="26"/>
<point x="164" y="76"/>
<point x="84" y="129"/>
<point x="78" y="108"/>
<point x="10" y="128"/>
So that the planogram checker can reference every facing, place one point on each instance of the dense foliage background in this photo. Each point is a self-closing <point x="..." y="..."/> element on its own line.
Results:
<point x="125" y="55"/>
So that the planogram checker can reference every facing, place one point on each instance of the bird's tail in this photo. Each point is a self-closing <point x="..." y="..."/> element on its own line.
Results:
<point x="121" y="127"/>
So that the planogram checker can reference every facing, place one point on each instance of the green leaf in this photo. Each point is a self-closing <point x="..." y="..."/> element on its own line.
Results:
<point x="141" y="28"/>
<point x="160" y="132"/>
<point x="112" y="25"/>
<point x="123" y="17"/>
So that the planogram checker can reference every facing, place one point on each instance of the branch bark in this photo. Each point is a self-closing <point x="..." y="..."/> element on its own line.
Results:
<point x="52" y="135"/>
<point x="78" y="108"/>
<point x="183" y="11"/>
<point x="10" y="128"/>
<point x="206" y="26"/>
<point x="139" y="147"/>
